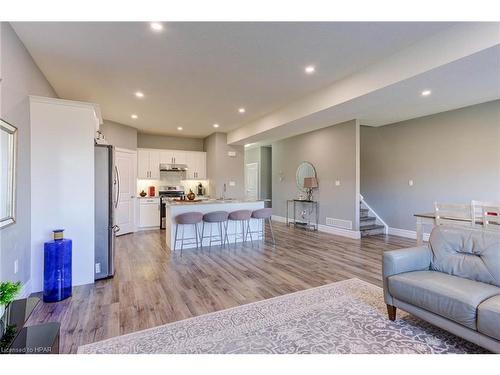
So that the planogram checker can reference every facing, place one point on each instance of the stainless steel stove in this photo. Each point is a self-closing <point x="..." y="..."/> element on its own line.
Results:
<point x="168" y="193"/>
<point x="171" y="191"/>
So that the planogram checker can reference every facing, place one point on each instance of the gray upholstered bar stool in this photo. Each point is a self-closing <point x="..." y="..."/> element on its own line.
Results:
<point x="243" y="217"/>
<point x="188" y="218"/>
<point x="219" y="218"/>
<point x="264" y="214"/>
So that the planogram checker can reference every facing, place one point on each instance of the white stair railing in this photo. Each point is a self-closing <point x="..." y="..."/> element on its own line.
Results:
<point x="372" y="212"/>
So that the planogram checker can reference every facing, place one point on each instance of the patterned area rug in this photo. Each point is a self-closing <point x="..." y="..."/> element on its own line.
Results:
<point x="344" y="317"/>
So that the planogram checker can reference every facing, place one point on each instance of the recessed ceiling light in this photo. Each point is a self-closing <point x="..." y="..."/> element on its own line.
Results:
<point x="216" y="125"/>
<point x="241" y="110"/>
<point x="179" y="128"/>
<point x="134" y="116"/>
<point x="156" y="26"/>
<point x="426" y="92"/>
<point x="310" y="69"/>
<point x="139" y="94"/>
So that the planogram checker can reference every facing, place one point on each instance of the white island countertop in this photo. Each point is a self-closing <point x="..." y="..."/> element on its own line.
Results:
<point x="174" y="208"/>
<point x="209" y="201"/>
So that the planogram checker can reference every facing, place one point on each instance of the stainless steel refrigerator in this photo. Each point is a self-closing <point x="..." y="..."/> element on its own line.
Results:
<point x="107" y="187"/>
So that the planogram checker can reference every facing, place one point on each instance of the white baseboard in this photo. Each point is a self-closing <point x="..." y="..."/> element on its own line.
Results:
<point x="406" y="233"/>
<point x="354" y="234"/>
<point x="25" y="290"/>
<point x="327" y="229"/>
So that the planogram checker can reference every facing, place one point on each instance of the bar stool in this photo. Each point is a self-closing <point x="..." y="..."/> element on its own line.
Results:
<point x="188" y="218"/>
<point x="242" y="216"/>
<point x="216" y="217"/>
<point x="264" y="214"/>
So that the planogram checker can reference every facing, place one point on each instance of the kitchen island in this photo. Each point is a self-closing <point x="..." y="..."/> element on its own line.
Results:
<point x="205" y="206"/>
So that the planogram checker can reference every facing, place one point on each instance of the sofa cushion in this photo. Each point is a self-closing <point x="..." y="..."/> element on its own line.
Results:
<point x="450" y="296"/>
<point x="488" y="317"/>
<point x="466" y="252"/>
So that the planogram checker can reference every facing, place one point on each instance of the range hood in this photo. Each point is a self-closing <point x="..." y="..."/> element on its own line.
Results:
<point x="173" y="167"/>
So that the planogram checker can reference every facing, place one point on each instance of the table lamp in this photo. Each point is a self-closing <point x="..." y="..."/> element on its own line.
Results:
<point x="310" y="183"/>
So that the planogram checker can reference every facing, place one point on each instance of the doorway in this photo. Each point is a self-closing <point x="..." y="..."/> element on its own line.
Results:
<point x="252" y="181"/>
<point x="126" y="164"/>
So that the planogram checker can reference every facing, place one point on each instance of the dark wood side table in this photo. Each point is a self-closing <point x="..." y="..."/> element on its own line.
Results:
<point x="36" y="339"/>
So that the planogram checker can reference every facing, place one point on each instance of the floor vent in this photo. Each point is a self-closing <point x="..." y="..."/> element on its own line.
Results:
<point x="339" y="223"/>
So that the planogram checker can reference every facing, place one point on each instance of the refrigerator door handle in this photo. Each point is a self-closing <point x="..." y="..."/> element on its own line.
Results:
<point x="117" y="186"/>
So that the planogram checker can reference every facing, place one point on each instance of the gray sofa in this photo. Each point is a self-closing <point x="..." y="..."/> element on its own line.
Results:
<point x="453" y="283"/>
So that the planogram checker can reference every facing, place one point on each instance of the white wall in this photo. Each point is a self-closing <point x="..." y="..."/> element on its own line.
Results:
<point x="62" y="180"/>
<point x="20" y="77"/>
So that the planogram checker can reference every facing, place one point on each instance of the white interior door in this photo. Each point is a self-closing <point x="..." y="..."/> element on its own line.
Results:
<point x="252" y="180"/>
<point x="126" y="161"/>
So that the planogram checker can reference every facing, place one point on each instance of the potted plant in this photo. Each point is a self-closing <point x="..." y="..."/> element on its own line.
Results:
<point x="8" y="291"/>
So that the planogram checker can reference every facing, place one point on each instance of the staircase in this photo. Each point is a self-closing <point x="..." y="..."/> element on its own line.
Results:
<point x="369" y="225"/>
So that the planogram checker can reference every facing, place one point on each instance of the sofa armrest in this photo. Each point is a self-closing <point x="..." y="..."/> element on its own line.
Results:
<point x="404" y="260"/>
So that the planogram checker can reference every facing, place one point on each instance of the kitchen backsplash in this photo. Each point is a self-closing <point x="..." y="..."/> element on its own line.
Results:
<point x="188" y="184"/>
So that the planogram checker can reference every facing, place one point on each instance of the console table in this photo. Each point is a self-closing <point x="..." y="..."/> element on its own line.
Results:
<point x="303" y="223"/>
<point x="20" y="339"/>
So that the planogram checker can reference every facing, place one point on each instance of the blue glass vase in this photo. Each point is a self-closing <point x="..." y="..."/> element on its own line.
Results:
<point x="57" y="268"/>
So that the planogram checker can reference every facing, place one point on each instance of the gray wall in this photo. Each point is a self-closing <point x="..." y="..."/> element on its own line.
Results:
<point x="262" y="156"/>
<point x="210" y="147"/>
<point x="169" y="143"/>
<point x="266" y="183"/>
<point x="332" y="151"/>
<point x="451" y="156"/>
<point x="221" y="168"/>
<point x="20" y="78"/>
<point x="252" y="155"/>
<point x="119" y="135"/>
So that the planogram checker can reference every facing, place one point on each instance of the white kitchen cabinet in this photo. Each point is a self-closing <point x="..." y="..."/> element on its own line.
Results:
<point x="154" y="164"/>
<point x="201" y="173"/>
<point x="196" y="162"/>
<point x="172" y="157"/>
<point x="148" y="164"/>
<point x="167" y="157"/>
<point x="149" y="160"/>
<point x="149" y="212"/>
<point x="179" y="157"/>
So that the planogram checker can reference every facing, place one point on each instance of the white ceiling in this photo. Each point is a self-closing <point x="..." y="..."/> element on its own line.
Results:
<point x="197" y="74"/>
<point x="471" y="80"/>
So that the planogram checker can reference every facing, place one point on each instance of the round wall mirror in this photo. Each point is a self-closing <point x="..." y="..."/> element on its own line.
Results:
<point x="304" y="170"/>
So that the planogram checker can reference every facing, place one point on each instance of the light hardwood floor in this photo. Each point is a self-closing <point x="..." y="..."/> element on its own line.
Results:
<point x="153" y="286"/>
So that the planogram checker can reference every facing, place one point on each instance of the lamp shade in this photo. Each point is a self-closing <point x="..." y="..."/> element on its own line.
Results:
<point x="310" y="182"/>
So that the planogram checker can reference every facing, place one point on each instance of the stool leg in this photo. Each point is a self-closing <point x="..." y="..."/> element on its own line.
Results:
<point x="263" y="229"/>
<point x="225" y="232"/>
<point x="235" y="232"/>
<point x="182" y="240"/>
<point x="202" y="233"/>
<point x="272" y="233"/>
<point x="175" y="238"/>
<point x="249" y="232"/>
<point x="210" y="243"/>
<point x="196" y="234"/>
<point x="220" y="235"/>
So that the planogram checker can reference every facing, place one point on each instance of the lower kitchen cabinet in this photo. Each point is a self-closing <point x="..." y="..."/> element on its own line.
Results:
<point x="149" y="212"/>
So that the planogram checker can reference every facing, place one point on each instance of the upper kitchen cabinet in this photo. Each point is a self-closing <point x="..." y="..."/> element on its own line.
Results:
<point x="148" y="164"/>
<point x="173" y="157"/>
<point x="149" y="160"/>
<point x="197" y="165"/>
